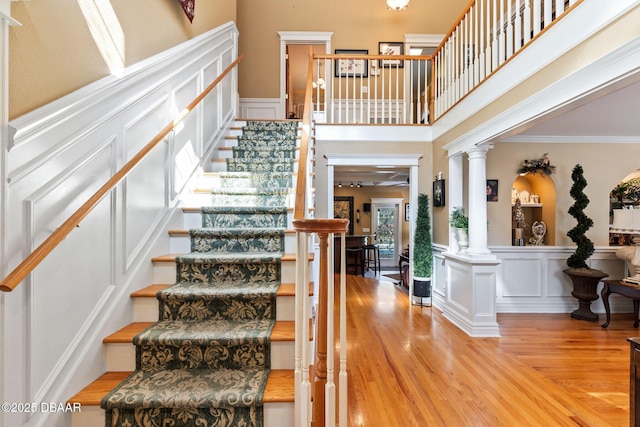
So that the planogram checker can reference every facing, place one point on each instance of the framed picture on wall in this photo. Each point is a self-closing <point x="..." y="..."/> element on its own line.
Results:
<point x="492" y="190"/>
<point x="343" y="208"/>
<point x="391" y="48"/>
<point x="438" y="192"/>
<point x="351" y="67"/>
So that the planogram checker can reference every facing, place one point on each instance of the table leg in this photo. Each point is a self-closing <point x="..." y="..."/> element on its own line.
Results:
<point x="635" y="312"/>
<point x="605" y="300"/>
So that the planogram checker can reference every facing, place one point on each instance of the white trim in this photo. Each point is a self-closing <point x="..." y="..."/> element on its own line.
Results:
<point x="297" y="37"/>
<point x="580" y="139"/>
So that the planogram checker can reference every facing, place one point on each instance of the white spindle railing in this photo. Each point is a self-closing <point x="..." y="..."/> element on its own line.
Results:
<point x="488" y="34"/>
<point x="323" y="410"/>
<point x="372" y="89"/>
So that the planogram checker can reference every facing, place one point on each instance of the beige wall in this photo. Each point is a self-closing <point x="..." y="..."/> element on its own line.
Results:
<point x="53" y="53"/>
<point x="356" y="24"/>
<point x="600" y="162"/>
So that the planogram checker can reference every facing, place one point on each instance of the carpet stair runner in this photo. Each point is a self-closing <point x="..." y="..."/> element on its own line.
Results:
<point x="207" y="359"/>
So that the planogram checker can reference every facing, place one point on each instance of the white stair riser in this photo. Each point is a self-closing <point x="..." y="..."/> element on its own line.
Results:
<point x="165" y="272"/>
<point x="275" y="415"/>
<point x="145" y="309"/>
<point x="122" y="356"/>
<point x="182" y="244"/>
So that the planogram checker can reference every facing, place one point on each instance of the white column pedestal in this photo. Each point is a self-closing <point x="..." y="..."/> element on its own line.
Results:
<point x="471" y="294"/>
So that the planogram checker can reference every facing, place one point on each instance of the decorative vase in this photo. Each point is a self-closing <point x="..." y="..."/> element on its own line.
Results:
<point x="462" y="239"/>
<point x="585" y="284"/>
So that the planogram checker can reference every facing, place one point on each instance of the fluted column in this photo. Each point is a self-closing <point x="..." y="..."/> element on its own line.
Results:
<point x="478" y="200"/>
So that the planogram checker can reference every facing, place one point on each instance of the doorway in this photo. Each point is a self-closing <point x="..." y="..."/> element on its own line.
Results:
<point x="386" y="226"/>
<point x="294" y="57"/>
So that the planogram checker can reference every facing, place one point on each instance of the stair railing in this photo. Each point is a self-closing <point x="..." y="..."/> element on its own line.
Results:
<point x="486" y="35"/>
<point x="371" y="89"/>
<point x="15" y="277"/>
<point x="321" y="390"/>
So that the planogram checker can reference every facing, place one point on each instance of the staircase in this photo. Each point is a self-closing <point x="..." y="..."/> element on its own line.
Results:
<point x="216" y="347"/>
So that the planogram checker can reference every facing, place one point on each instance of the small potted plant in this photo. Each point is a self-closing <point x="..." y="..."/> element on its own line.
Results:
<point x="460" y="224"/>
<point x="585" y="279"/>
<point x="422" y="251"/>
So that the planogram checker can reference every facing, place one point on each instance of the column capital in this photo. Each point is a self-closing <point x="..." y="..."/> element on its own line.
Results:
<point x="479" y="151"/>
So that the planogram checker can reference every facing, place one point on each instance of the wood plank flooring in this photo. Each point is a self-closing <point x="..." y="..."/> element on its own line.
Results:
<point x="412" y="367"/>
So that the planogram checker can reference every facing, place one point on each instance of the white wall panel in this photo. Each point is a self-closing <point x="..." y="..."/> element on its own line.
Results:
<point x="521" y="277"/>
<point x="53" y="323"/>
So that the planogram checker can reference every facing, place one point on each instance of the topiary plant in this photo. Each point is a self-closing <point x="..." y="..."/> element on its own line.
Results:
<point x="577" y="234"/>
<point x="422" y="252"/>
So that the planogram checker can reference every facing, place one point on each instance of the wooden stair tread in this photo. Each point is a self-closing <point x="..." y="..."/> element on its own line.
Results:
<point x="289" y="289"/>
<point x="280" y="387"/>
<point x="126" y="334"/>
<point x="172" y="257"/>
<point x="149" y="291"/>
<point x="92" y="394"/>
<point x="283" y="330"/>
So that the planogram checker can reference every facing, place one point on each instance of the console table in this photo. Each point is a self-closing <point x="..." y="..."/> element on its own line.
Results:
<point x="628" y="290"/>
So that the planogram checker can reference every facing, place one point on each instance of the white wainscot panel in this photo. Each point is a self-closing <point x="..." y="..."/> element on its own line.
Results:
<point x="186" y="142"/>
<point x="458" y="296"/>
<point x="260" y="108"/>
<point x="559" y="284"/>
<point x="145" y="195"/>
<point x="71" y="285"/>
<point x="521" y="277"/>
<point x="209" y="106"/>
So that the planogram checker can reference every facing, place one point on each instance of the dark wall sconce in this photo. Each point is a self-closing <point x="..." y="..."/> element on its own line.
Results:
<point x="358" y="216"/>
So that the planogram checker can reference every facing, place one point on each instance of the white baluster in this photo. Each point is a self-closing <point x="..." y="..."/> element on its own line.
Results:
<point x="502" y="40"/>
<point x="559" y="8"/>
<point x="537" y="16"/>
<point x="343" y="384"/>
<point x="518" y="27"/>
<point x="526" y="22"/>
<point x="548" y="12"/>
<point x="483" y="44"/>
<point x="494" y="44"/>
<point x="330" y="387"/>
<point x="509" y="31"/>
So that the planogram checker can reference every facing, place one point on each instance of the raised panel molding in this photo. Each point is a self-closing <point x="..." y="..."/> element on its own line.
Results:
<point x="58" y="156"/>
<point x="261" y="108"/>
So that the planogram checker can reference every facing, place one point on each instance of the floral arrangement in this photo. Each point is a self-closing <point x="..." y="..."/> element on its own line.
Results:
<point x="542" y="165"/>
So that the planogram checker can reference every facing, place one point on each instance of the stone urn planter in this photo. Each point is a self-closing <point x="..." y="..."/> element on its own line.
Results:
<point x="585" y="283"/>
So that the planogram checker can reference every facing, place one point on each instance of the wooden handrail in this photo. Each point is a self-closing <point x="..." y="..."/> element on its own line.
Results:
<point x="14" y="278"/>
<point x="300" y="207"/>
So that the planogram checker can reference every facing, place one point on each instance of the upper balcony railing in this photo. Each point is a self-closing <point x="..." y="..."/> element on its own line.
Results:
<point x="487" y="34"/>
<point x="406" y="89"/>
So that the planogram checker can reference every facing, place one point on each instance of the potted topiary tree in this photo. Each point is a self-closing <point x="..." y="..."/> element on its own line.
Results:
<point x="585" y="279"/>
<point x="460" y="224"/>
<point x="422" y="252"/>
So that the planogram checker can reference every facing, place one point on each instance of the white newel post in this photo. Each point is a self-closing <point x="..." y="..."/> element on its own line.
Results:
<point x="478" y="201"/>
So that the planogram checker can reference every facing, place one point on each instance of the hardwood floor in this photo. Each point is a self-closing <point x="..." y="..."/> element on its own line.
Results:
<point x="412" y="367"/>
